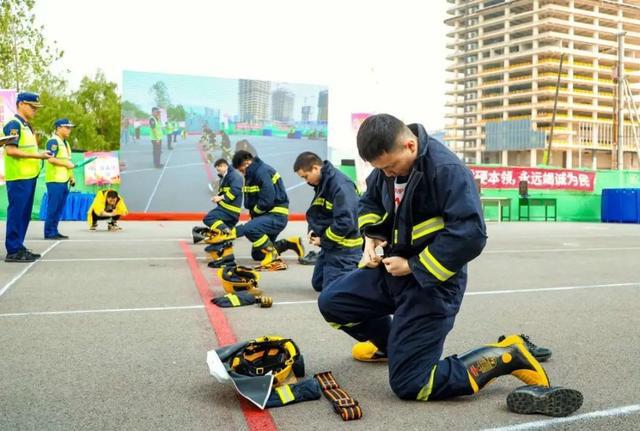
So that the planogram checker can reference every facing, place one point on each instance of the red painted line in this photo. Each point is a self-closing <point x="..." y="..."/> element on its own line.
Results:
<point x="257" y="420"/>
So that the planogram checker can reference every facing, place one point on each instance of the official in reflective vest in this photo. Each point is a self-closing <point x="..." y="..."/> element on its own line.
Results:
<point x="58" y="176"/>
<point x="156" y="134"/>
<point x="169" y="129"/>
<point x="22" y="164"/>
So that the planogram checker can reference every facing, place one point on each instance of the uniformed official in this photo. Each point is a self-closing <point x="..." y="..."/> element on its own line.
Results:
<point x="156" y="134"/>
<point x="58" y="176"/>
<point x="22" y="165"/>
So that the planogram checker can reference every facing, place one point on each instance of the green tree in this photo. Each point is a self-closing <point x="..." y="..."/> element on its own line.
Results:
<point x="131" y="110"/>
<point x="94" y="108"/>
<point x="176" y="113"/>
<point x="160" y="94"/>
<point x="25" y="56"/>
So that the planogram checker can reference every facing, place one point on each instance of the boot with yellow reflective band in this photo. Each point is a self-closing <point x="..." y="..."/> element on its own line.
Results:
<point x="222" y="254"/>
<point x="510" y="356"/>
<point x="217" y="236"/>
<point x="238" y="278"/>
<point x="272" y="260"/>
<point x="293" y="243"/>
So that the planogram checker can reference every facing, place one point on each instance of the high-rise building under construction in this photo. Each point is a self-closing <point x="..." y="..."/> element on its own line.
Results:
<point x="502" y="78"/>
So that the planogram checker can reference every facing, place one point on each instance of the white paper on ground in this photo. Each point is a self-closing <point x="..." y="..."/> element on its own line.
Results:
<point x="216" y="367"/>
<point x="254" y="389"/>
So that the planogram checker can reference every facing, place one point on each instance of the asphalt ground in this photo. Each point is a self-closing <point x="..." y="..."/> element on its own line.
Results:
<point x="109" y="331"/>
<point x="182" y="184"/>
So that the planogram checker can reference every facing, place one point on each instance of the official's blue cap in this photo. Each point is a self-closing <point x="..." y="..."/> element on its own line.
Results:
<point x="30" y="98"/>
<point x="63" y="122"/>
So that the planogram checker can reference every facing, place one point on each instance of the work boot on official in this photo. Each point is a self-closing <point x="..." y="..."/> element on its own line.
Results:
<point x="366" y="351"/>
<point x="293" y="243"/>
<point x="538" y="352"/>
<point x="555" y="401"/>
<point x="510" y="356"/>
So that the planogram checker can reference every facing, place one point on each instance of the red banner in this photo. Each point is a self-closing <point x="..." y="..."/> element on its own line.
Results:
<point x="556" y="179"/>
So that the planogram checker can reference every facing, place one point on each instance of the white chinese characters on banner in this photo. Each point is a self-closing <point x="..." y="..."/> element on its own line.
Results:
<point x="558" y="179"/>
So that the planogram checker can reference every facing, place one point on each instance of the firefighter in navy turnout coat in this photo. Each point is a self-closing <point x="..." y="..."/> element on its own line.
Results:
<point x="266" y="199"/>
<point x="332" y="219"/>
<point x="422" y="207"/>
<point x="229" y="198"/>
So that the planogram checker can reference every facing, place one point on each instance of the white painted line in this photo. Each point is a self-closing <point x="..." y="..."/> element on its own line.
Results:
<point x="550" y="289"/>
<point x="113" y="259"/>
<point x="155" y="189"/>
<point x="24" y="271"/>
<point x="166" y="167"/>
<point x="108" y="310"/>
<point x="505" y="292"/>
<point x="561" y="250"/>
<point x="315" y="301"/>
<point x="613" y="412"/>
<point x="118" y="259"/>
<point x="296" y="186"/>
<point x="101" y="239"/>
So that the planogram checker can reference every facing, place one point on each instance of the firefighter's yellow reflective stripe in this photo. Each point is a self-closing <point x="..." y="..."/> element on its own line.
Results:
<point x="370" y="218"/>
<point x="280" y="210"/>
<point x="275" y="178"/>
<point x="227" y="192"/>
<point x="323" y="203"/>
<point x="426" y="227"/>
<point x="235" y="301"/>
<point x="251" y="189"/>
<point x="230" y="207"/>
<point x="257" y="210"/>
<point x="433" y="266"/>
<point x="345" y="242"/>
<point x="473" y="383"/>
<point x="216" y="223"/>
<point x="260" y="241"/>
<point x="395" y="236"/>
<point x="285" y="394"/>
<point x="343" y="325"/>
<point x="424" y="393"/>
<point x="351" y="243"/>
<point x="332" y="236"/>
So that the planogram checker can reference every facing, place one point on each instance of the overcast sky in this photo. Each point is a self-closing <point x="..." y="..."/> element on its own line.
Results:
<point x="375" y="56"/>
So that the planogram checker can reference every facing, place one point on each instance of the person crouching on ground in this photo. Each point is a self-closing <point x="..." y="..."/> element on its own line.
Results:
<point x="107" y="205"/>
